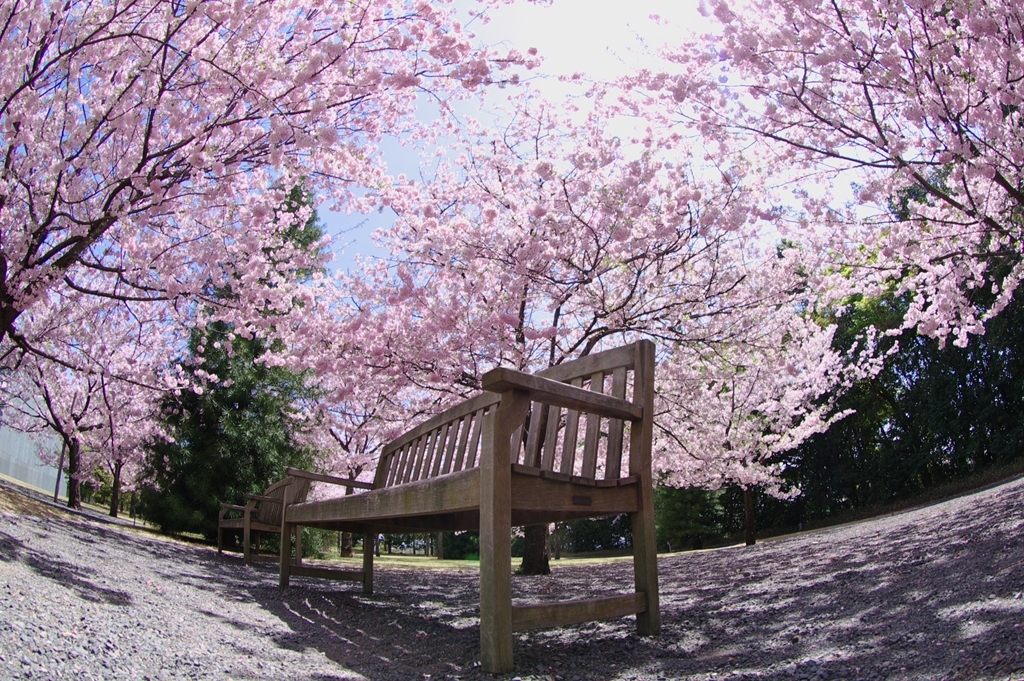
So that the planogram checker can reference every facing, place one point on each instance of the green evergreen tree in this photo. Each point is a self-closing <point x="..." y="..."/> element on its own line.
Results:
<point x="235" y="435"/>
<point x="686" y="518"/>
<point x="231" y="440"/>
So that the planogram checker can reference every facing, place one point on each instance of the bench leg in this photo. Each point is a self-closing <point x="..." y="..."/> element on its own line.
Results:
<point x="246" y="540"/>
<point x="220" y="540"/>
<point x="284" y="565"/>
<point x="645" y="550"/>
<point x="645" y="570"/>
<point x="496" y="533"/>
<point x="368" y="545"/>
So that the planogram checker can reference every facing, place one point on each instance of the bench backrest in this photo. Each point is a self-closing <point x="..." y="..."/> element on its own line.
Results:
<point x="289" y="490"/>
<point x="553" y="439"/>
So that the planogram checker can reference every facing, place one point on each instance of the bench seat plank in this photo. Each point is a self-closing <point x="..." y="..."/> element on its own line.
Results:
<point x="458" y="491"/>
<point x="451" y="503"/>
<point x="254" y="525"/>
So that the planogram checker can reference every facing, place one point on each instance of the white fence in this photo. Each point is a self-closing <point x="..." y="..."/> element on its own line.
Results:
<point x="19" y="459"/>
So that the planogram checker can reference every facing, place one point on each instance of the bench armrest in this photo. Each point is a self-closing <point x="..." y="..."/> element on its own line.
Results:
<point x="226" y="508"/>
<point x="260" y="497"/>
<point x="546" y="391"/>
<point x="333" y="479"/>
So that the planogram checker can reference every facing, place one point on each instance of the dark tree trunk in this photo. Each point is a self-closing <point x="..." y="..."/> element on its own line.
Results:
<point x="749" y="528"/>
<point x="535" y="545"/>
<point x="535" y="551"/>
<point x="60" y="471"/>
<point x="115" y="490"/>
<point x="440" y="546"/>
<point x="74" y="485"/>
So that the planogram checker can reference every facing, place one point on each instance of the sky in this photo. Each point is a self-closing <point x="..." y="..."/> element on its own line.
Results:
<point x="604" y="38"/>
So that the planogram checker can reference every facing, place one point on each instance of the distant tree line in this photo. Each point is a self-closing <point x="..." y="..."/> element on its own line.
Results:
<point x="932" y="418"/>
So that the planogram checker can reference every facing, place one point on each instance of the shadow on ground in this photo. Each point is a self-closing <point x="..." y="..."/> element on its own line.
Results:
<point x="932" y="593"/>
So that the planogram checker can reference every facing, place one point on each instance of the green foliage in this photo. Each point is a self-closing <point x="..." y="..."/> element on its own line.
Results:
<point x="518" y="542"/>
<point x="306" y="237"/>
<point x="102" y="485"/>
<point x="687" y="517"/>
<point x="462" y="545"/>
<point x="932" y="416"/>
<point x="587" y="535"/>
<point x="235" y="433"/>
<point x="231" y="440"/>
<point x="315" y="541"/>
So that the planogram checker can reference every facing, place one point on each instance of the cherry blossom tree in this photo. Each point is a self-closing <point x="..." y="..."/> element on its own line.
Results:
<point x="145" y="143"/>
<point x="729" y="413"/>
<point x="553" y="239"/>
<point x="915" y="104"/>
<point x="93" y="382"/>
<point x="52" y="401"/>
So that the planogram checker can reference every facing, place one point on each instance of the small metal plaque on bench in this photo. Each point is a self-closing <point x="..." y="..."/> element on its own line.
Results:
<point x="579" y="500"/>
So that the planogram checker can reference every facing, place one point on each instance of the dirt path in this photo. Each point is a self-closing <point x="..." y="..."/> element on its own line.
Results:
<point x="931" y="593"/>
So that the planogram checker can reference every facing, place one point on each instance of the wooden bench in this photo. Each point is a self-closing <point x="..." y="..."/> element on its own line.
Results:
<point x="533" y="449"/>
<point x="262" y="513"/>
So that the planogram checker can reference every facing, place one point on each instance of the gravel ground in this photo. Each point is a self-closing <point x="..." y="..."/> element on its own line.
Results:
<point x="932" y="593"/>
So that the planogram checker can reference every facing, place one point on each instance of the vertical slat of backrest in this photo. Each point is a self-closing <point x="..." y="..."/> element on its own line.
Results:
<point x="453" y="438"/>
<point x="474" y="440"/>
<point x="301" y="486"/>
<point x="380" y="472"/>
<point x="408" y="451"/>
<point x="538" y="431"/>
<point x="421" y="449"/>
<point x="398" y="465"/>
<point x="593" y="431"/>
<point x="384" y="466"/>
<point x="517" y="444"/>
<point x="270" y="513"/>
<point x="390" y="463"/>
<point x="613" y="462"/>
<point x="572" y="433"/>
<point x="442" y="442"/>
<point x="547" y="461"/>
<point x="415" y="452"/>
<point x="469" y="424"/>
<point x="396" y="468"/>
<point x="428" y="458"/>
<point x="423" y="461"/>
